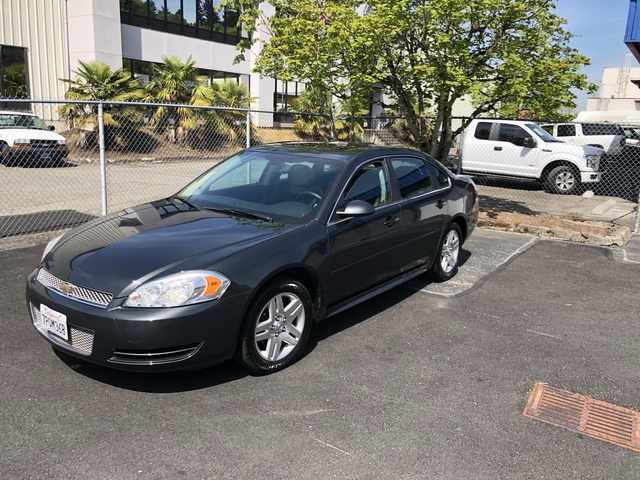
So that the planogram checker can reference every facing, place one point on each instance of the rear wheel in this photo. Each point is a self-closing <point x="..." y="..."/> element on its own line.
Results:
<point x="276" y="327"/>
<point x="445" y="265"/>
<point x="563" y="180"/>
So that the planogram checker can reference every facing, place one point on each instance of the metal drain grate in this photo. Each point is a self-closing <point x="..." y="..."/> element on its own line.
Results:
<point x="597" y="419"/>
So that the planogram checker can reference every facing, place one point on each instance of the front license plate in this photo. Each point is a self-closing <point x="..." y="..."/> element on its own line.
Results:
<point x="54" y="322"/>
<point x="45" y="155"/>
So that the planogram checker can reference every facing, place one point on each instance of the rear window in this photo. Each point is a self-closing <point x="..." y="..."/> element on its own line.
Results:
<point x="483" y="130"/>
<point x="567" y="131"/>
<point x="601" y="129"/>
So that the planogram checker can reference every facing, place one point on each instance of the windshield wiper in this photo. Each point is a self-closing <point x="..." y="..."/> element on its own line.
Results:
<point x="188" y="203"/>
<point x="244" y="213"/>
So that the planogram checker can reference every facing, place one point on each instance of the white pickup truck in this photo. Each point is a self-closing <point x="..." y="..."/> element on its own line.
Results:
<point x="26" y="139"/>
<point x="522" y="149"/>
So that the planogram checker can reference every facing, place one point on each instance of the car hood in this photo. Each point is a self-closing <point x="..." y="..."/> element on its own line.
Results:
<point x="579" y="150"/>
<point x="11" y="134"/>
<point x="138" y="244"/>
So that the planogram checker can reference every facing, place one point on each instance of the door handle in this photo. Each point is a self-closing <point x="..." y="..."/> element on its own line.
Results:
<point x="391" y="220"/>
<point x="441" y="203"/>
<point x="497" y="148"/>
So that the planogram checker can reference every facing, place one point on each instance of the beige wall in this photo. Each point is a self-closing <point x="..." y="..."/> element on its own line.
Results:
<point x="39" y="26"/>
<point x="94" y="32"/>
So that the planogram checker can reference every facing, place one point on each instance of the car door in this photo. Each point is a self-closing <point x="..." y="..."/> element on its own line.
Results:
<point x="363" y="249"/>
<point x="511" y="155"/>
<point x="423" y="209"/>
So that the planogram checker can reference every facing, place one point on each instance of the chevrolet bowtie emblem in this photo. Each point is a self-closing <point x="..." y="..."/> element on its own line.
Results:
<point x="66" y="287"/>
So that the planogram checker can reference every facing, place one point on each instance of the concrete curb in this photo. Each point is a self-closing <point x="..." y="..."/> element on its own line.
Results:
<point x="619" y="237"/>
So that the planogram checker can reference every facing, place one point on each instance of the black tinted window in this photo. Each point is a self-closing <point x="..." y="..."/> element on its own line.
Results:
<point x="442" y="179"/>
<point x="413" y="176"/>
<point x="483" y="130"/>
<point x="512" y="134"/>
<point x="370" y="184"/>
<point x="601" y="129"/>
<point x="566" y="130"/>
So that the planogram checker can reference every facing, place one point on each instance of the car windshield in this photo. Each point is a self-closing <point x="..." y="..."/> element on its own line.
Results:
<point x="542" y="133"/>
<point x="285" y="187"/>
<point x="17" y="120"/>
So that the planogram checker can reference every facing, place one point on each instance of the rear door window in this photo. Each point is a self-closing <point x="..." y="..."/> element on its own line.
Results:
<point x="567" y="131"/>
<point x="601" y="129"/>
<point x="414" y="178"/>
<point x="483" y="130"/>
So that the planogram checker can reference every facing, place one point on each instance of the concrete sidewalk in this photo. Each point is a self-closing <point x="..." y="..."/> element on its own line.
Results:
<point x="630" y="252"/>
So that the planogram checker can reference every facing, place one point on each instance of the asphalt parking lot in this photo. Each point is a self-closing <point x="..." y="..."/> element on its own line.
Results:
<point x="427" y="381"/>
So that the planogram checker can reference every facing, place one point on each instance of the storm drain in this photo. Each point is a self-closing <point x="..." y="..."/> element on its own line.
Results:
<point x="597" y="419"/>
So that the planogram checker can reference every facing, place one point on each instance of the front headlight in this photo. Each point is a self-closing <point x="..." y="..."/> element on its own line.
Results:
<point x="62" y="142"/>
<point x="592" y="160"/>
<point x="50" y="246"/>
<point x="21" y="142"/>
<point x="184" y="288"/>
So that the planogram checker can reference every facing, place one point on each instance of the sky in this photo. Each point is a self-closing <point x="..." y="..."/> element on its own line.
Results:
<point x="599" y="26"/>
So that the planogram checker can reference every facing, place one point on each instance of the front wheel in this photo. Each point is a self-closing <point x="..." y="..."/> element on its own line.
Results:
<point x="563" y="180"/>
<point x="276" y="327"/>
<point x="445" y="266"/>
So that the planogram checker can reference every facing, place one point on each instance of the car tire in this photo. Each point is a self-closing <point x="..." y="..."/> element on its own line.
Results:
<point x="563" y="180"/>
<point x="276" y="327"/>
<point x="445" y="265"/>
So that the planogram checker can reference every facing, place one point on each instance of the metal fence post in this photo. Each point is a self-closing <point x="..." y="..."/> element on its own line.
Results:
<point x="248" y="129"/>
<point x="103" y="164"/>
<point x="636" y="226"/>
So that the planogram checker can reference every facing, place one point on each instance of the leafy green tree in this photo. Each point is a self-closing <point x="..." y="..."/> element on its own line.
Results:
<point x="510" y="56"/>
<point x="312" y="41"/>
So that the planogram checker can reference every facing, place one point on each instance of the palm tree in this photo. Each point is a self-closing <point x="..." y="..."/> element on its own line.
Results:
<point x="175" y="82"/>
<point x="95" y="80"/>
<point x="15" y="81"/>
<point x="228" y="124"/>
<point x="315" y="120"/>
<point x="352" y="110"/>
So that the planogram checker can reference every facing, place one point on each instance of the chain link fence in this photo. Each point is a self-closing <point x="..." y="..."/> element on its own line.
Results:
<point x="526" y="166"/>
<point x="111" y="156"/>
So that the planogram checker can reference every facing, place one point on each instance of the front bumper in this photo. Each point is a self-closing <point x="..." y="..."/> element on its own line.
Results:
<point x="25" y="156"/>
<point x="590" y="176"/>
<point x="141" y="339"/>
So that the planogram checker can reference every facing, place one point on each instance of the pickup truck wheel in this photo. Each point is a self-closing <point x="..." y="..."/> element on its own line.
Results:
<point x="563" y="180"/>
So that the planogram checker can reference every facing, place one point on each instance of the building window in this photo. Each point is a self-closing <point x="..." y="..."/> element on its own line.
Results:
<point x="14" y="76"/>
<point x="284" y="93"/>
<point x="144" y="71"/>
<point x="191" y="18"/>
<point x="13" y="72"/>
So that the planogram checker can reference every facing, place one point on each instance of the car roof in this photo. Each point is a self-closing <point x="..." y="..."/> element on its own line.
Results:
<point x="334" y="150"/>
<point x="13" y="112"/>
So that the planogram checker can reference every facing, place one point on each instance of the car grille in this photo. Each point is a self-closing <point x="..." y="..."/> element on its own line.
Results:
<point x="80" y="339"/>
<point x="43" y="143"/>
<point x="154" y="357"/>
<point x="82" y="294"/>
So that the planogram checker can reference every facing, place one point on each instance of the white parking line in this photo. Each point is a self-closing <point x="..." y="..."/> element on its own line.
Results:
<point x="488" y="249"/>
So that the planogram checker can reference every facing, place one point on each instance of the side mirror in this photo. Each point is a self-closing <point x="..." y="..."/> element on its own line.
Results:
<point x="529" y="142"/>
<point x="356" y="208"/>
<point x="52" y="128"/>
